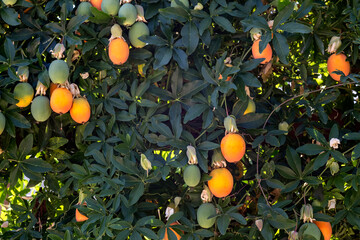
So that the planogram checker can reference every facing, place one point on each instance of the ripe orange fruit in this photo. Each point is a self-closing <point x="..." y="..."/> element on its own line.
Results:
<point x="325" y="228"/>
<point x="80" y="217"/>
<point x="80" y="110"/>
<point x="53" y="86"/>
<point x="338" y="62"/>
<point x="266" y="53"/>
<point x="61" y="100"/>
<point x="118" y="51"/>
<point x="96" y="3"/>
<point x="176" y="234"/>
<point x="221" y="183"/>
<point x="233" y="147"/>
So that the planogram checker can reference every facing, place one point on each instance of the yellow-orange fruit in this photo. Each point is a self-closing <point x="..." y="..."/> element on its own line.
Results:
<point x="325" y="228"/>
<point x="96" y="3"/>
<point x="266" y="53"/>
<point x="80" y="110"/>
<point x="337" y="62"/>
<point x="24" y="93"/>
<point x="233" y="147"/>
<point x="53" y="86"/>
<point x="61" y="100"/>
<point x="221" y="183"/>
<point x="176" y="234"/>
<point x="118" y="51"/>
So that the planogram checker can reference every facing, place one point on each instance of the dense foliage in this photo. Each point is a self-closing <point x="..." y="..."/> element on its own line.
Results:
<point x="169" y="95"/>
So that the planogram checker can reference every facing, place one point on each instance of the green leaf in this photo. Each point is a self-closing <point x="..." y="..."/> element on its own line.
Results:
<point x="136" y="193"/>
<point x="99" y="157"/>
<point x="181" y="58"/>
<point x="249" y="79"/>
<point x="14" y="175"/>
<point x="238" y="217"/>
<point x="208" y="146"/>
<point x="10" y="16"/>
<point x="194" y="111"/>
<point x="294" y="27"/>
<point x="334" y="132"/>
<point x="208" y="76"/>
<point x="37" y="165"/>
<point x="162" y="57"/>
<point x="224" y="23"/>
<point x="75" y="23"/>
<point x="26" y="146"/>
<point x="154" y="40"/>
<point x="57" y="142"/>
<point x="99" y="16"/>
<point x="176" y="13"/>
<point x="352" y="136"/>
<point x="355" y="153"/>
<point x="67" y="235"/>
<point x="18" y="119"/>
<point x="315" y="134"/>
<point x="293" y="160"/>
<point x="190" y="37"/>
<point x="286" y="172"/>
<point x="284" y="15"/>
<point x="281" y="47"/>
<point x="272" y="140"/>
<point x="338" y="156"/>
<point x="223" y="223"/>
<point x="291" y="186"/>
<point x="9" y="49"/>
<point x="250" y="65"/>
<point x="311" y="149"/>
<point x="321" y="160"/>
<point x="275" y="183"/>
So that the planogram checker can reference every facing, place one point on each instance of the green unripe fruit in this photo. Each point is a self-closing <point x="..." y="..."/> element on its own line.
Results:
<point x="309" y="230"/>
<point x="185" y="2"/>
<point x="2" y="122"/>
<point x="284" y="126"/>
<point x="204" y="212"/>
<point x="9" y="2"/>
<point x="84" y="9"/>
<point x="128" y="11"/>
<point x="139" y="29"/>
<point x="192" y="175"/>
<point x="58" y="71"/>
<point x="24" y="93"/>
<point x="40" y="108"/>
<point x="110" y="7"/>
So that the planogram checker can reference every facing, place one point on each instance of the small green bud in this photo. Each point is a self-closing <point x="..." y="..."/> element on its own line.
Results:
<point x="145" y="163"/>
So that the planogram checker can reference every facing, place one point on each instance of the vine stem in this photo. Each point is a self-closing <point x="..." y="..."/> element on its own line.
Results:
<point x="268" y="118"/>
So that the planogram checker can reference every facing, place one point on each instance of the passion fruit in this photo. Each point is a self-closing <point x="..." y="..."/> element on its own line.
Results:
<point x="24" y="93"/>
<point x="84" y="9"/>
<point x="58" y="71"/>
<point x="205" y="211"/>
<point x="128" y="11"/>
<point x="139" y="29"/>
<point x="40" y="108"/>
<point x="192" y="175"/>
<point x="110" y="7"/>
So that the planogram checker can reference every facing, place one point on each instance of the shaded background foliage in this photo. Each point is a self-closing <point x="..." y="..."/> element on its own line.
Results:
<point x="174" y="100"/>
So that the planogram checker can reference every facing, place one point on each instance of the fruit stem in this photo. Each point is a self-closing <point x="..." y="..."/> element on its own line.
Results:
<point x="226" y="108"/>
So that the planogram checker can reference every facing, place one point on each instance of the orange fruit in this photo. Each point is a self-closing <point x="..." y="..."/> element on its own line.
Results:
<point x="80" y="110"/>
<point x="80" y="217"/>
<point x="233" y="147"/>
<point x="221" y="183"/>
<point x="53" y="86"/>
<point x="96" y="3"/>
<point x="325" y="228"/>
<point x="176" y="234"/>
<point x="24" y="93"/>
<point x="61" y="100"/>
<point x="338" y="62"/>
<point x="118" y="51"/>
<point x="266" y="53"/>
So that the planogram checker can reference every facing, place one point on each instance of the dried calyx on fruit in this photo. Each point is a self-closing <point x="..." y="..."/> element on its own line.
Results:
<point x="40" y="89"/>
<point x="191" y="154"/>
<point x="140" y="14"/>
<point x="23" y="73"/>
<point x="172" y="208"/>
<point x="206" y="194"/>
<point x="306" y="213"/>
<point x="334" y="44"/>
<point x="218" y="160"/>
<point x="58" y="51"/>
<point x="255" y="34"/>
<point x="230" y="125"/>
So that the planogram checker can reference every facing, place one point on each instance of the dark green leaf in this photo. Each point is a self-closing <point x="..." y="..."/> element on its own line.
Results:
<point x="294" y="27"/>
<point x="311" y="149"/>
<point x="190" y="37"/>
<point x="284" y="15"/>
<point x="37" y="165"/>
<point x="136" y="193"/>
<point x="224" y="23"/>
<point x="26" y="146"/>
<point x="281" y="47"/>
